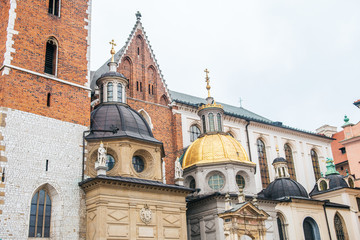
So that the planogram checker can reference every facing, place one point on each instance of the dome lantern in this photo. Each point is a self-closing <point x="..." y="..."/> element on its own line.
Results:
<point x="112" y="84"/>
<point x="211" y="113"/>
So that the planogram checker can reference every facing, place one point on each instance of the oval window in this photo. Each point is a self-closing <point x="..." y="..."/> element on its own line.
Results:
<point x="240" y="181"/>
<point x="110" y="162"/>
<point x="216" y="181"/>
<point x="138" y="163"/>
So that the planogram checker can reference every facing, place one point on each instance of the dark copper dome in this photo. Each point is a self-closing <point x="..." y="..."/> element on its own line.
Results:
<point x="283" y="188"/>
<point x="119" y="121"/>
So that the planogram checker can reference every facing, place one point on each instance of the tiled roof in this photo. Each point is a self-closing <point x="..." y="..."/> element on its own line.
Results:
<point x="238" y="112"/>
<point x="195" y="101"/>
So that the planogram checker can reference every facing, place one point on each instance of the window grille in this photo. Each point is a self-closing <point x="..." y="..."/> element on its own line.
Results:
<point x="194" y="133"/>
<point x="290" y="161"/>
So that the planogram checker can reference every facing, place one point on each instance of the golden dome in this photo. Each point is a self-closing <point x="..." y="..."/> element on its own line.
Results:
<point x="215" y="148"/>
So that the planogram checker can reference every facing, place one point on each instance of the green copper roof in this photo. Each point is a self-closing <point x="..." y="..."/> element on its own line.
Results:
<point x="330" y="167"/>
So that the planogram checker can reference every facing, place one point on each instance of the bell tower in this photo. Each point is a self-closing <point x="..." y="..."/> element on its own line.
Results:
<point x="44" y="109"/>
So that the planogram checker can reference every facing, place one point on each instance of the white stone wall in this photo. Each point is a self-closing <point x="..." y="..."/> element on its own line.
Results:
<point x="272" y="136"/>
<point x="29" y="141"/>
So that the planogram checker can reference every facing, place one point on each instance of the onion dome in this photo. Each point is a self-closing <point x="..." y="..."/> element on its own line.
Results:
<point x="118" y="120"/>
<point x="283" y="188"/>
<point x="215" y="148"/>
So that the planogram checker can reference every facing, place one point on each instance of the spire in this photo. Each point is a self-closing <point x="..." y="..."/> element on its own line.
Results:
<point x="138" y="16"/>
<point x="330" y="167"/>
<point x="210" y="100"/>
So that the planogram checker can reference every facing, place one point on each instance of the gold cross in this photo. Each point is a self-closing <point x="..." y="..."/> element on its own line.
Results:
<point x="207" y="81"/>
<point x="112" y="51"/>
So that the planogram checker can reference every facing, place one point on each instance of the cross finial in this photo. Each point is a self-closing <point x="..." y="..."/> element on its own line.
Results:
<point x="207" y="81"/>
<point x="241" y="100"/>
<point x="138" y="16"/>
<point x="112" y="51"/>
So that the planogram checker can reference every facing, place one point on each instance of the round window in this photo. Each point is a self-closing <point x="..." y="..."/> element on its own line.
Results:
<point x="110" y="162"/>
<point x="240" y="181"/>
<point x="138" y="163"/>
<point x="216" y="181"/>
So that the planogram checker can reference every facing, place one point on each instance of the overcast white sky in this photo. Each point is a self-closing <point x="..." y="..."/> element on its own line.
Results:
<point x="292" y="61"/>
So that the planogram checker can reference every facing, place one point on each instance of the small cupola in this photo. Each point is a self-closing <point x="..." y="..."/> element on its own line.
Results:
<point x="211" y="113"/>
<point x="112" y="85"/>
<point x="281" y="167"/>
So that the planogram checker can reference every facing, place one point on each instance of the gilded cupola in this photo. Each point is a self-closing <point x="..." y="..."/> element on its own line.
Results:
<point x="213" y="146"/>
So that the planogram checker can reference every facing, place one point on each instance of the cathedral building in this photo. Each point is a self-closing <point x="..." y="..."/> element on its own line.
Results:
<point x="116" y="154"/>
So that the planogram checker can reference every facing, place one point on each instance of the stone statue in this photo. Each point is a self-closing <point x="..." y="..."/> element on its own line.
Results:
<point x="101" y="159"/>
<point x="178" y="169"/>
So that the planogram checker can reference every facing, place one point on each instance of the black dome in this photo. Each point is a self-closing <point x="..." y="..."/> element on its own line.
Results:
<point x="279" y="159"/>
<point x="336" y="181"/>
<point x="282" y="188"/>
<point x="122" y="120"/>
<point x="112" y="74"/>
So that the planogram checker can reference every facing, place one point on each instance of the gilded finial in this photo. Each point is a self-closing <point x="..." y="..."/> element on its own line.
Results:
<point x="207" y="81"/>
<point x="112" y="51"/>
<point x="277" y="150"/>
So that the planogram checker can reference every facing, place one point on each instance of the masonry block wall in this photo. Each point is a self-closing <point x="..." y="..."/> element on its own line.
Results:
<point x="147" y="91"/>
<point x="43" y="116"/>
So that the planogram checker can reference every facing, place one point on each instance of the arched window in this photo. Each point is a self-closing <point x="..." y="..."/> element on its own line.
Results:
<point x="315" y="163"/>
<point x="281" y="227"/>
<point x="340" y="228"/>
<point x="264" y="171"/>
<point x="204" y="123"/>
<point x="323" y="185"/>
<point x="51" y="56"/>
<point x="240" y="181"/>
<point x="192" y="184"/>
<point x="311" y="229"/>
<point x="290" y="161"/>
<point x="110" y="91"/>
<point x="351" y="183"/>
<point x="194" y="133"/>
<point x="219" y="122"/>
<point x="40" y="214"/>
<point x="211" y="122"/>
<point x="54" y="7"/>
<point x="119" y="92"/>
<point x="230" y="134"/>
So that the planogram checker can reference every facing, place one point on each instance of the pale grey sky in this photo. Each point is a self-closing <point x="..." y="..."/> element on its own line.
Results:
<point x="292" y="61"/>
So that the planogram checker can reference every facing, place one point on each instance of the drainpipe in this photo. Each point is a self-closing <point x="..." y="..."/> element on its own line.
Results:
<point x="327" y="222"/>
<point x="247" y="135"/>
<point x="115" y="130"/>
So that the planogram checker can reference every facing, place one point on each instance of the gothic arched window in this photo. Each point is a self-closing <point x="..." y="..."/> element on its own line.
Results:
<point x="219" y="122"/>
<point x="264" y="171"/>
<point x="311" y="229"/>
<point x="54" y="7"/>
<point x="315" y="163"/>
<point x="204" y="123"/>
<point x="51" y="56"/>
<point x="211" y="122"/>
<point x="119" y="92"/>
<point x="40" y="214"/>
<point x="194" y="133"/>
<point x="290" y="161"/>
<point x="110" y="91"/>
<point x="340" y="229"/>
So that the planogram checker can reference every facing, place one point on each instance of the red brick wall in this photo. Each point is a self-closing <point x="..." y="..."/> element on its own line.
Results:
<point x="27" y="92"/>
<point x="139" y="67"/>
<point x="4" y="15"/>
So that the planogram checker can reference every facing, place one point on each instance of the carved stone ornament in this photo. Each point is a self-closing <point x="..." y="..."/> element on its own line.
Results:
<point x="146" y="214"/>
